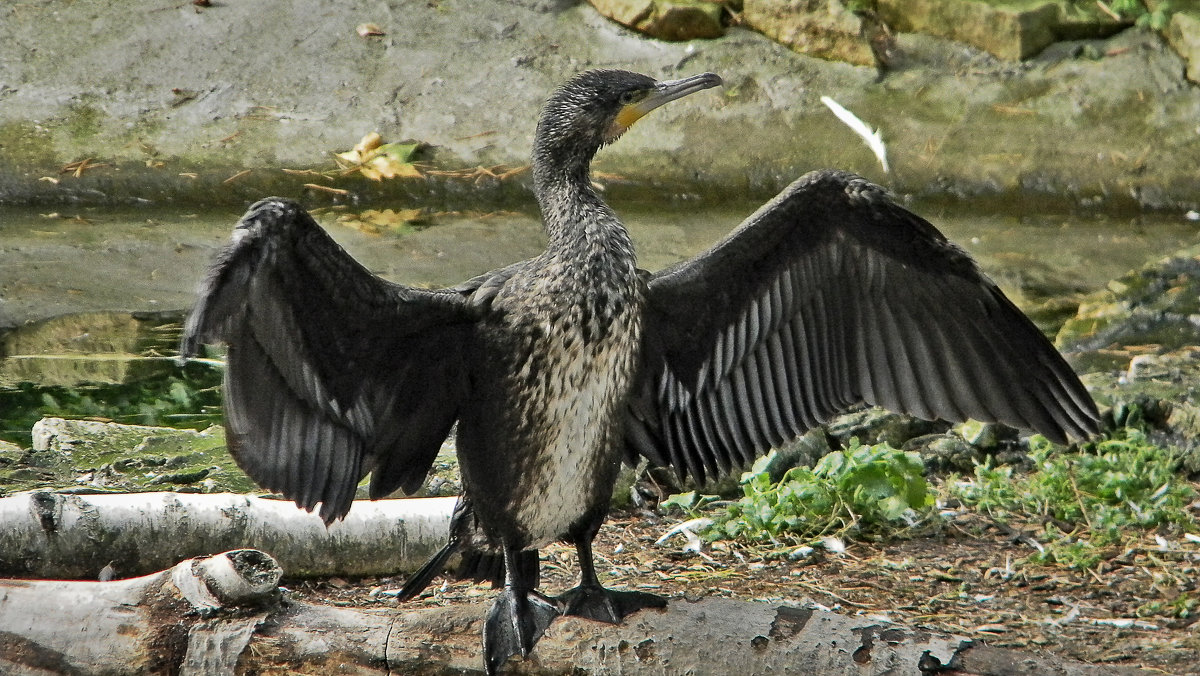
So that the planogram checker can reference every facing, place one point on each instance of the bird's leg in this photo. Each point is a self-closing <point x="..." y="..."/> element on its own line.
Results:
<point x="593" y="601"/>
<point x="519" y="616"/>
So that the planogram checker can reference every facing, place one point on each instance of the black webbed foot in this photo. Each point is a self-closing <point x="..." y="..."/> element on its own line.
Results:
<point x="514" y="624"/>
<point x="606" y="605"/>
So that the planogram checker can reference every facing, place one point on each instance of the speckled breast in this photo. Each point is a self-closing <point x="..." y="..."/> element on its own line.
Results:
<point x="564" y="368"/>
<point x="579" y="421"/>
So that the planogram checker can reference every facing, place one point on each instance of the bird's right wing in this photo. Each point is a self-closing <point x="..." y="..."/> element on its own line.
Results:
<point x="332" y="372"/>
<point x="832" y="294"/>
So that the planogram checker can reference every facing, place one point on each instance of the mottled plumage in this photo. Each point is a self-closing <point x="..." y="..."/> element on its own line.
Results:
<point x="557" y="367"/>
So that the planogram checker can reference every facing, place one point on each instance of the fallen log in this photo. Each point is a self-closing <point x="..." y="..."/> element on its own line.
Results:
<point x="198" y="618"/>
<point x="75" y="536"/>
<point x="194" y="618"/>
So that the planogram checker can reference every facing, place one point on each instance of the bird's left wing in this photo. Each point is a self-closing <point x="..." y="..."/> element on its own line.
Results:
<point x="832" y="294"/>
<point x="332" y="372"/>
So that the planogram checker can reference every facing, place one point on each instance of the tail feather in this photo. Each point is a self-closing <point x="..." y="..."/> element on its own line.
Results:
<point x="421" y="579"/>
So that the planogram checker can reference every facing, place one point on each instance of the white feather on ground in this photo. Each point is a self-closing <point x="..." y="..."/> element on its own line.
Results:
<point x="874" y="139"/>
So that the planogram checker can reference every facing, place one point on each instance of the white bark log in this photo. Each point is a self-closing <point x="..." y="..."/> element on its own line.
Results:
<point x="159" y="623"/>
<point x="75" y="536"/>
<point x="169" y="622"/>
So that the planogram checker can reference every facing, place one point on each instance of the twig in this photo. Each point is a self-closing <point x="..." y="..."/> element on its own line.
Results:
<point x="1108" y="10"/>
<point x="1079" y="499"/>
<point x="325" y="188"/>
<point x="814" y="588"/>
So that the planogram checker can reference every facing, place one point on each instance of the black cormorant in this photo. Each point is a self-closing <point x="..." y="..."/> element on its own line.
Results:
<point x="558" y="367"/>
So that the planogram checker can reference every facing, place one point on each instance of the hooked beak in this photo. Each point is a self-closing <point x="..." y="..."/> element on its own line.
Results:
<point x="664" y="92"/>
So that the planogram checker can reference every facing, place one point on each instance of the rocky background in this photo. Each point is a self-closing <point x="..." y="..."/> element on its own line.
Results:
<point x="210" y="101"/>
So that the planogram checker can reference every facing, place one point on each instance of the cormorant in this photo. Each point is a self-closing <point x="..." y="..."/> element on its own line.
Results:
<point x="558" y="367"/>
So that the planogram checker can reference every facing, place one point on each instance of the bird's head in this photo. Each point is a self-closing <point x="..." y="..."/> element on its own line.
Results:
<point x="597" y="106"/>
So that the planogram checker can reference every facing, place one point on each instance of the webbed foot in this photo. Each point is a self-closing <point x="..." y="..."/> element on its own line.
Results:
<point x="606" y="605"/>
<point x="514" y="624"/>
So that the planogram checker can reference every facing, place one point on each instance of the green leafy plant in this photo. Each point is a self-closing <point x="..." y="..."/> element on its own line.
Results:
<point x="862" y="489"/>
<point x="690" y="503"/>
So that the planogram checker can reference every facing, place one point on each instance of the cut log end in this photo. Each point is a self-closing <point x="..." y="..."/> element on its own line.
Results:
<point x="240" y="577"/>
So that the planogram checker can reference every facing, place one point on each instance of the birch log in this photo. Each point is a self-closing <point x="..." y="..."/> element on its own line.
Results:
<point x="47" y="534"/>
<point x="221" y="615"/>
<point x="167" y="622"/>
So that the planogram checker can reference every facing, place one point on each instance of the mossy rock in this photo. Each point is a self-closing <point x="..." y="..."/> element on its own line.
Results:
<point x="876" y="426"/>
<point x="1184" y="35"/>
<point x="945" y="453"/>
<point x="1159" y="393"/>
<point x="93" y="456"/>
<point x="827" y="29"/>
<point x="1156" y="305"/>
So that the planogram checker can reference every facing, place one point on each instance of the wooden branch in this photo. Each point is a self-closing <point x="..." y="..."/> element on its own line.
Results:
<point x="76" y="536"/>
<point x="211" y="615"/>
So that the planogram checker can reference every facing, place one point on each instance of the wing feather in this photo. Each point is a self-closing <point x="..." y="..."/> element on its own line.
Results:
<point x="766" y="402"/>
<point x="745" y="406"/>
<point x="769" y="414"/>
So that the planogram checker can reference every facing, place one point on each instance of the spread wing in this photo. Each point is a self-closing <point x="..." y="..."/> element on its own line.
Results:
<point x="829" y="295"/>
<point x="332" y="372"/>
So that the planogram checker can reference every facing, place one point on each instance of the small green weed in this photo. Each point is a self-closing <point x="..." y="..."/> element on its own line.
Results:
<point x="1184" y="606"/>
<point x="863" y="489"/>
<point x="1101" y="496"/>
<point x="688" y="503"/>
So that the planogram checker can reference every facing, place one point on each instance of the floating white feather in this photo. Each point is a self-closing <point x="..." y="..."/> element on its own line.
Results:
<point x="874" y="139"/>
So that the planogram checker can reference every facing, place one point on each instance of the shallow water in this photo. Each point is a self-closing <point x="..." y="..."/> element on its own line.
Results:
<point x="152" y="259"/>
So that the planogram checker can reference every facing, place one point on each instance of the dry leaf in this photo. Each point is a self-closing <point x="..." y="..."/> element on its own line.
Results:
<point x="367" y="30"/>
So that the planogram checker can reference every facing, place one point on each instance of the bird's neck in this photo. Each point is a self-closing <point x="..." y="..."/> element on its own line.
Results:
<point x="577" y="221"/>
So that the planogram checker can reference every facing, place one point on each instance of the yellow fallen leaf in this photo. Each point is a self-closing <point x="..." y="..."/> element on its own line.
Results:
<point x="387" y="167"/>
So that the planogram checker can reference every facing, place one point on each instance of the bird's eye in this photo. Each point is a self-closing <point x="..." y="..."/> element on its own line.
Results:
<point x="628" y="97"/>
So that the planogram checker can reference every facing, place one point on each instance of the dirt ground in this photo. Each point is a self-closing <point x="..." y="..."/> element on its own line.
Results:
<point x="969" y="579"/>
